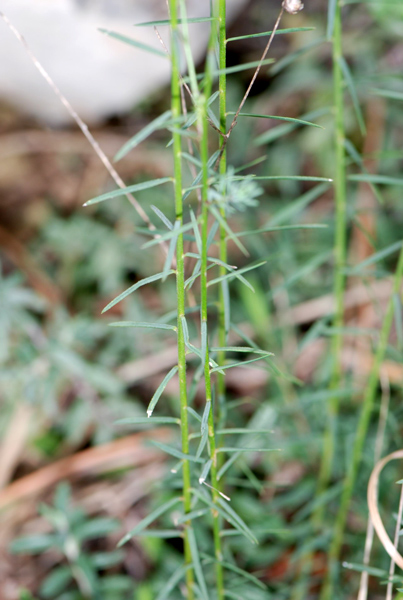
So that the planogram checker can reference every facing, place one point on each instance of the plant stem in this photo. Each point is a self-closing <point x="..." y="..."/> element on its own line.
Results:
<point x="222" y="326"/>
<point x="203" y="127"/>
<point x="367" y="407"/>
<point x="340" y="193"/>
<point x="180" y="288"/>
<point x="340" y="259"/>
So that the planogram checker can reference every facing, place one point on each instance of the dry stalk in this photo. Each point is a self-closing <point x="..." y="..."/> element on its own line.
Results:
<point x="377" y="522"/>
<point x="83" y="126"/>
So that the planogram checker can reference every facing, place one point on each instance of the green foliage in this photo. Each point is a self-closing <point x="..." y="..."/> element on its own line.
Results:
<point x="80" y="573"/>
<point x="241" y="240"/>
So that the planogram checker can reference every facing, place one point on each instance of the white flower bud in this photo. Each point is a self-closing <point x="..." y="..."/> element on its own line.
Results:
<point x="293" y="6"/>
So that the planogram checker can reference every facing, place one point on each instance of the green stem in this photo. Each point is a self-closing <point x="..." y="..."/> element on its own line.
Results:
<point x="340" y="260"/>
<point x="222" y="329"/>
<point x="180" y="288"/>
<point x="340" y="193"/>
<point x="367" y="407"/>
<point x="203" y="127"/>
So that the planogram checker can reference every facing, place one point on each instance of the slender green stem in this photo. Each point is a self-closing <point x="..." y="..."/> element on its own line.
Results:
<point x="340" y="259"/>
<point x="180" y="288"/>
<point x="340" y="192"/>
<point x="222" y="327"/>
<point x="203" y="127"/>
<point x="366" y="411"/>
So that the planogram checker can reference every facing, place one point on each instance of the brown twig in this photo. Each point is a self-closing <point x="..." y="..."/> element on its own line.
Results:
<point x="245" y="97"/>
<point x="84" y="128"/>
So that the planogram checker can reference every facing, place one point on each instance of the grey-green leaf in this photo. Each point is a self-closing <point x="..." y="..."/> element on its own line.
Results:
<point x="176" y="453"/>
<point x="131" y="189"/>
<point x="160" y="390"/>
<point x="135" y="287"/>
<point x="149" y="519"/>
<point x="158" y="123"/>
<point x="143" y="325"/>
<point x="132" y="42"/>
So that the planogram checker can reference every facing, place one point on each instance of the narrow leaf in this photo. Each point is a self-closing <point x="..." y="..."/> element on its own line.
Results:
<point x="173" y="581"/>
<point x="205" y="417"/>
<point x="290" y="177"/>
<point x="174" y="452"/>
<point x="149" y="519"/>
<point x="281" y="228"/>
<point x="241" y="363"/>
<point x="160" y="389"/>
<point x="142" y="325"/>
<point x="163" y="534"/>
<point x="398" y="320"/>
<point x="239" y="571"/>
<point x="228" y="463"/>
<point x="228" y="449"/>
<point x="171" y="250"/>
<point x="377" y="257"/>
<point x="227" y="228"/>
<point x="331" y="15"/>
<point x="205" y="471"/>
<point x="158" y="123"/>
<point x="273" y="134"/>
<point x="163" y="237"/>
<point x="278" y="118"/>
<point x="196" y="231"/>
<point x="194" y="514"/>
<point x="128" y="190"/>
<point x="132" y="42"/>
<point x="180" y="22"/>
<point x="202" y="443"/>
<point x="357" y="158"/>
<point x="234" y="515"/>
<point x="245" y="531"/>
<point x="163" y="218"/>
<point x="268" y="33"/>
<point x="148" y="421"/>
<point x="234" y="274"/>
<point x="196" y="563"/>
<point x="135" y="287"/>
<point x="389" y="94"/>
<point x="353" y="93"/>
<point x="382" y="179"/>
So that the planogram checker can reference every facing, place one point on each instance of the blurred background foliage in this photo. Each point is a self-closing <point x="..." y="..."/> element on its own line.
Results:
<point x="66" y="376"/>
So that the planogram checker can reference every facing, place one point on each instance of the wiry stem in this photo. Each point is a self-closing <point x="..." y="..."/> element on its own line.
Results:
<point x="180" y="287"/>
<point x="203" y="127"/>
<point x="339" y="288"/>
<point x="222" y="325"/>
<point x="340" y="260"/>
<point x="367" y="407"/>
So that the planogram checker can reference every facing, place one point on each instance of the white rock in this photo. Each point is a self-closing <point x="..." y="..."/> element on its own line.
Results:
<point x="99" y="76"/>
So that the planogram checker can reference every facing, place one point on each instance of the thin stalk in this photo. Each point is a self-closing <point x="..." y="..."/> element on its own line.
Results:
<point x="389" y="590"/>
<point x="367" y="407"/>
<point x="246" y="95"/>
<point x="180" y="289"/>
<point x="222" y="329"/>
<point x="203" y="127"/>
<point x="340" y="194"/>
<point x="340" y="260"/>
